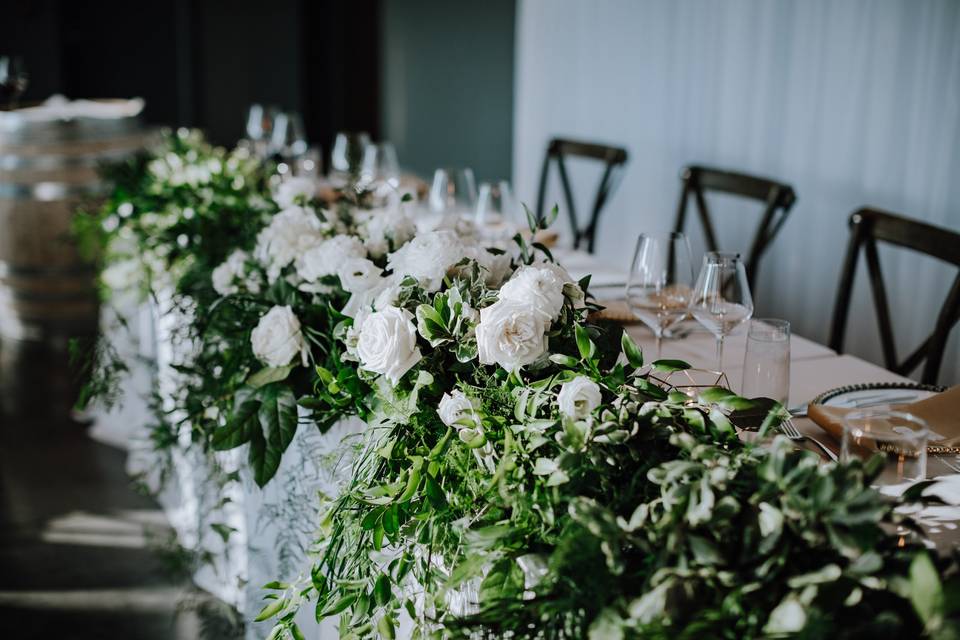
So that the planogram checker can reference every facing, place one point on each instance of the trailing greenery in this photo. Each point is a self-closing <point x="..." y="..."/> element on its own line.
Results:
<point x="522" y="473"/>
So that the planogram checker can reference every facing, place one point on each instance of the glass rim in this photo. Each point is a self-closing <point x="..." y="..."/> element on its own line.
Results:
<point x="922" y="430"/>
<point x="722" y="256"/>
<point x="775" y="326"/>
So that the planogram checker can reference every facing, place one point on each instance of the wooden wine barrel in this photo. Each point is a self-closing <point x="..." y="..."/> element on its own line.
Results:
<point x="48" y="168"/>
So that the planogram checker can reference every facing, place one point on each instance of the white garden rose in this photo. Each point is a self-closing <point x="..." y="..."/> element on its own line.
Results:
<point x="231" y="276"/>
<point x="326" y="258"/>
<point x="571" y="288"/>
<point x="358" y="275"/>
<point x="428" y="258"/>
<point x="387" y="343"/>
<point x="454" y="407"/>
<point x="290" y="234"/>
<point x="294" y="190"/>
<point x="537" y="286"/>
<point x="579" y="397"/>
<point x="511" y="334"/>
<point x="277" y="338"/>
<point x="384" y="230"/>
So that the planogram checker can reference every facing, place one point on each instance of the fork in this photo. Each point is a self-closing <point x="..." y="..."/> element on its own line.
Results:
<point x="790" y="430"/>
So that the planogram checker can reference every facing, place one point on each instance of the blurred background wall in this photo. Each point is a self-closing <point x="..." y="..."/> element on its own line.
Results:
<point x="853" y="103"/>
<point x="447" y="79"/>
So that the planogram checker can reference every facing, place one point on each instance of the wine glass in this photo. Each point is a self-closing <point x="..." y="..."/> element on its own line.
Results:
<point x="289" y="136"/>
<point x="260" y="121"/>
<point x="380" y="165"/>
<point x="453" y="191"/>
<point x="658" y="287"/>
<point x="495" y="204"/>
<point x="347" y="155"/>
<point x="721" y="299"/>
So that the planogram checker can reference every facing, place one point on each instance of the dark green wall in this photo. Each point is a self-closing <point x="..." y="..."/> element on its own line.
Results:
<point x="447" y="84"/>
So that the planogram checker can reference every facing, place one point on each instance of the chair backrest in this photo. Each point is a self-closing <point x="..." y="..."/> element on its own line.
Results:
<point x="613" y="158"/>
<point x="867" y="226"/>
<point x="777" y="197"/>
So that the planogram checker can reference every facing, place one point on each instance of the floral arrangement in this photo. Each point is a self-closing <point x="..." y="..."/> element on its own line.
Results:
<point x="522" y="473"/>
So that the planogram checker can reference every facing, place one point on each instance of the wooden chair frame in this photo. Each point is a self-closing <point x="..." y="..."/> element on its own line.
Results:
<point x="614" y="158"/>
<point x="778" y="197"/>
<point x="867" y="226"/>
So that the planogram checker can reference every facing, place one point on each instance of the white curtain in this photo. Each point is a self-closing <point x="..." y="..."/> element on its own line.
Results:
<point x="853" y="103"/>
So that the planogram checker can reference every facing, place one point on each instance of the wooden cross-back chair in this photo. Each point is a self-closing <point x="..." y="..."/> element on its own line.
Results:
<point x="867" y="228"/>
<point x="613" y="158"/>
<point x="777" y="197"/>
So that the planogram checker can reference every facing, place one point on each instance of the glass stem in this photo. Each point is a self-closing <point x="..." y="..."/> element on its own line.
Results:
<point x="659" y="335"/>
<point x="720" y="353"/>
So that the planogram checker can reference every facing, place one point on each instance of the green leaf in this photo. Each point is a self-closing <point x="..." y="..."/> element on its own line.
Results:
<point x="386" y="628"/>
<point x="531" y="219"/>
<point x="278" y="416"/>
<point x="504" y="581"/>
<point x="337" y="607"/>
<point x="552" y="216"/>
<point x="584" y="345"/>
<point x="667" y="366"/>
<point x="223" y="531"/>
<point x="926" y="592"/>
<point x="631" y="350"/>
<point x="271" y="610"/>
<point x="381" y="590"/>
<point x="269" y="374"/>
<point x="563" y="360"/>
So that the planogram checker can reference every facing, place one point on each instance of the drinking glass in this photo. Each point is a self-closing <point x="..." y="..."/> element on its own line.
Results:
<point x="347" y="155"/>
<point x="766" y="362"/>
<point x="453" y="191"/>
<point x="289" y="136"/>
<point x="260" y="121"/>
<point x="901" y="438"/>
<point x="721" y="297"/>
<point x="380" y="165"/>
<point x="658" y="287"/>
<point x="495" y="204"/>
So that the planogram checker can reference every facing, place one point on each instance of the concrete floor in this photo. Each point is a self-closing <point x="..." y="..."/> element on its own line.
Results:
<point x="82" y="555"/>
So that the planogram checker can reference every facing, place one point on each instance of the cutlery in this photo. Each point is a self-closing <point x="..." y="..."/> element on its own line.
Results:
<point x="790" y="430"/>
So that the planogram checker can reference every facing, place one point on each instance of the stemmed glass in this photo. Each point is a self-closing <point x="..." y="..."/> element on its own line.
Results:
<point x="453" y="191"/>
<point x="380" y="165"/>
<point x="721" y="299"/>
<point x="347" y="155"/>
<point x="495" y="204"/>
<point x="658" y="287"/>
<point x="260" y="121"/>
<point x="289" y="136"/>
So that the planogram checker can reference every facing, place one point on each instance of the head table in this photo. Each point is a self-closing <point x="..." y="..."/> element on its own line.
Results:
<point x="248" y="536"/>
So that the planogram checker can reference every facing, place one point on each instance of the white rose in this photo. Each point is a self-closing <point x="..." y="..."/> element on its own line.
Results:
<point x="294" y="190"/>
<point x="277" y="338"/>
<point x="454" y="407"/>
<point x="386" y="229"/>
<point x="571" y="288"/>
<point x="225" y="276"/>
<point x="326" y="258"/>
<point x="579" y="397"/>
<point x="538" y="287"/>
<point x="289" y="235"/>
<point x="510" y="334"/>
<point x="358" y="275"/>
<point x="387" y="343"/>
<point x="428" y="257"/>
